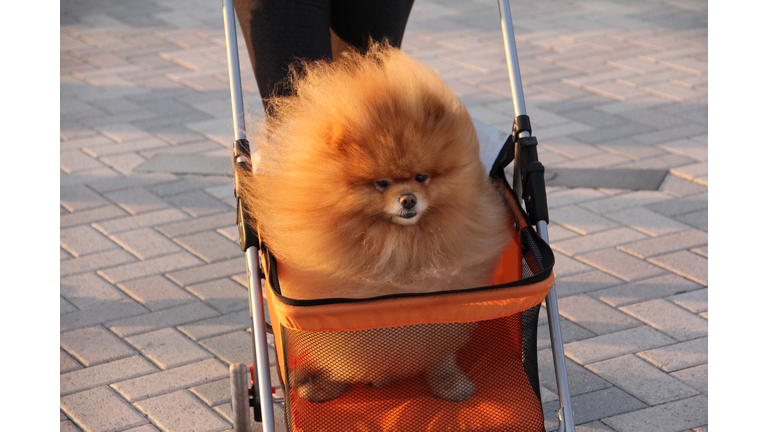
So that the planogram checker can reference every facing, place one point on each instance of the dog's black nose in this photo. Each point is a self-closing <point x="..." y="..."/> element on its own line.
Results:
<point x="408" y="201"/>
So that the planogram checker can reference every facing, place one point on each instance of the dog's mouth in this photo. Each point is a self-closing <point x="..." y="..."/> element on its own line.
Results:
<point x="406" y="217"/>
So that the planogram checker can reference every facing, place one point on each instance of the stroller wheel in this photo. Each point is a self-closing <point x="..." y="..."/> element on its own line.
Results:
<point x="239" y="383"/>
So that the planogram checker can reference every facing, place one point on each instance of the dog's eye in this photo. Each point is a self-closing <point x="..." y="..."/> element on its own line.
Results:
<point x="382" y="184"/>
<point x="421" y="178"/>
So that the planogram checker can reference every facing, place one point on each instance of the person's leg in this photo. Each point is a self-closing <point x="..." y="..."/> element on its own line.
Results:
<point x="356" y="22"/>
<point x="277" y="32"/>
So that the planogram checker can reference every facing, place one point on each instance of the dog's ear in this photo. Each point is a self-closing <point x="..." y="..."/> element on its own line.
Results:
<point x="434" y="108"/>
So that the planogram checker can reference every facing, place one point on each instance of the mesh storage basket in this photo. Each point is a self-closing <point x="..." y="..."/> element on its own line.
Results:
<point x="450" y="361"/>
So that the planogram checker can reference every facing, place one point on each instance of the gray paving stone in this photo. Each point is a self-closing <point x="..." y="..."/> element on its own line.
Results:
<point x="125" y="163"/>
<point x="197" y="203"/>
<point x="582" y="221"/>
<point x="632" y="149"/>
<point x="150" y="267"/>
<point x="673" y="416"/>
<point x="214" y="393"/>
<point x="208" y="272"/>
<point x="703" y="251"/>
<point x="595" y="426"/>
<point x="145" y="243"/>
<point x="65" y="306"/>
<point x="170" y="380"/>
<point x="168" y="348"/>
<point x="595" y="405"/>
<point x="210" y="246"/>
<point x="620" y="265"/>
<point x="697" y="219"/>
<point x="87" y="291"/>
<point x="188" y="164"/>
<point x="235" y="347"/>
<point x="680" y="188"/>
<point x="119" y="225"/>
<point x="669" y="319"/>
<point x="106" y="373"/>
<point x="585" y="282"/>
<point x="105" y="311"/>
<point x="95" y="261"/>
<point x="647" y="289"/>
<point x="144" y="428"/>
<point x="600" y="240"/>
<point x="678" y="356"/>
<point x="78" y="197"/>
<point x="122" y="182"/>
<point x="162" y="318"/>
<point x="663" y="161"/>
<point x="232" y="233"/>
<point x="696" y="377"/>
<point x="68" y="426"/>
<point x="94" y="345"/>
<point x="686" y="264"/>
<point x="217" y="326"/>
<point x="180" y="412"/>
<point x="691" y="172"/>
<point x="219" y="220"/>
<point x="572" y="196"/>
<point x="641" y="380"/>
<point x="616" y="344"/>
<point x="666" y="244"/>
<point x="136" y="201"/>
<point x="84" y="240"/>
<point x="67" y="363"/>
<point x="192" y="183"/>
<point x="156" y="293"/>
<point x="647" y="222"/>
<point x="101" y="410"/>
<point x="224" y="295"/>
<point x="695" y="301"/>
<point x="112" y="148"/>
<point x="76" y="161"/>
<point x="567" y="266"/>
<point x="594" y="316"/>
<point x="569" y="332"/>
<point x="580" y="380"/>
<point x="625" y="201"/>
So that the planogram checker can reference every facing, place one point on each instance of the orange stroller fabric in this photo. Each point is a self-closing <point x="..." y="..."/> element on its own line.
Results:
<point x="492" y="359"/>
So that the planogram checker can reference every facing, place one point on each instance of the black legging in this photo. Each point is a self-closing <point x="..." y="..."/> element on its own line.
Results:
<point x="278" y="32"/>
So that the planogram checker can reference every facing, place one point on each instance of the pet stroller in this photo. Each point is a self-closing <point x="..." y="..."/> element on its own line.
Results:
<point x="499" y="321"/>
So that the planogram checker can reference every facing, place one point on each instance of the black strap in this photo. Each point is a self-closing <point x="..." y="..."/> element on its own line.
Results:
<point x="504" y="158"/>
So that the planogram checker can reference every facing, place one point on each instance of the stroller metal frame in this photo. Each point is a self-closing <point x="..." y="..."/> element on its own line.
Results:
<point x="253" y="389"/>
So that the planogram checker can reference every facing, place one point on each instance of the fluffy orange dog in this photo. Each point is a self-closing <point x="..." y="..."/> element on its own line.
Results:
<point x="370" y="183"/>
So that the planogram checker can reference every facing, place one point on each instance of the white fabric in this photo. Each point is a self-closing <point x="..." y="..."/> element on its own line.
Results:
<point x="491" y="142"/>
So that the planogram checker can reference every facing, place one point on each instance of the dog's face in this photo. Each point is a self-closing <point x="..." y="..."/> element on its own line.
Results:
<point x="404" y="159"/>
<point x="404" y="201"/>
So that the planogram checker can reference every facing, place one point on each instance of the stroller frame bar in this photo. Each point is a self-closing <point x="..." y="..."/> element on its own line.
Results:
<point x="233" y="61"/>
<point x="262" y="380"/>
<point x="565" y="413"/>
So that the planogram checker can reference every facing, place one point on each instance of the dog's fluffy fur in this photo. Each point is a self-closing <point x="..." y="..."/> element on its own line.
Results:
<point x="369" y="182"/>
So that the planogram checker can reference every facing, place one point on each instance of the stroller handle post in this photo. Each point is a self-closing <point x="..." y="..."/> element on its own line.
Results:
<point x="528" y="182"/>
<point x="242" y="156"/>
<point x="233" y="59"/>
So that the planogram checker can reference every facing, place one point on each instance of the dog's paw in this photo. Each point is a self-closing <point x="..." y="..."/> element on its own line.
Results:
<point x="455" y="387"/>
<point x="318" y="388"/>
<point x="447" y="381"/>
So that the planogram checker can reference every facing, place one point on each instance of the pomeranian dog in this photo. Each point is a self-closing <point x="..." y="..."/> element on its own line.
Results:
<point x="368" y="182"/>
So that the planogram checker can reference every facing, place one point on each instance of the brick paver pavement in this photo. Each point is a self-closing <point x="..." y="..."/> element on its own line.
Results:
<point x="153" y="303"/>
